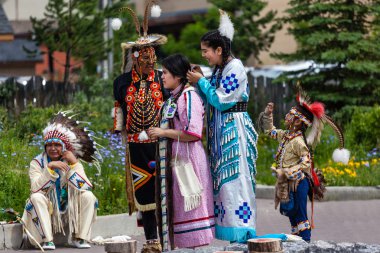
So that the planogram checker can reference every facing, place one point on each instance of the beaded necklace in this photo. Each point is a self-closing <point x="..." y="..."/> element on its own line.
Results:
<point x="287" y="137"/>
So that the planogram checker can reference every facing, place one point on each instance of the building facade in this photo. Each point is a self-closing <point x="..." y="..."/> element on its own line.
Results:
<point x="175" y="15"/>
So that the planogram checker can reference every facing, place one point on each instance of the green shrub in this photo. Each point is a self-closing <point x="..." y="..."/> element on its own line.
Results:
<point x="364" y="130"/>
<point x="33" y="120"/>
<point x="15" y="156"/>
<point x="343" y="116"/>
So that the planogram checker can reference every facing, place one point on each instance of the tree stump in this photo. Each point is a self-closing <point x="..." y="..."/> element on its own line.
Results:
<point x="264" y="245"/>
<point x="121" y="247"/>
<point x="228" y="251"/>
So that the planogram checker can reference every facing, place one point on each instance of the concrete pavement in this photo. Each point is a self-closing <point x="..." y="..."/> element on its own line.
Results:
<point x="339" y="221"/>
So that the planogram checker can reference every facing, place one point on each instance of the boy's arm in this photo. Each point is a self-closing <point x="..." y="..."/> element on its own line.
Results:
<point x="267" y="121"/>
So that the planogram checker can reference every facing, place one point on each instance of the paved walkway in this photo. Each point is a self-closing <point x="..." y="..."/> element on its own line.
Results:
<point x="339" y="221"/>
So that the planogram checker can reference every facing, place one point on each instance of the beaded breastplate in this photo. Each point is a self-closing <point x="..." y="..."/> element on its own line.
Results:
<point x="143" y="101"/>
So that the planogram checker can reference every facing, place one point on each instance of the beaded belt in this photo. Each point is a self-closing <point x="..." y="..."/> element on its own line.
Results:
<point x="239" y="107"/>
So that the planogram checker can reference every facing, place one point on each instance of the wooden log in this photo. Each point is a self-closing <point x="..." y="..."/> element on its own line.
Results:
<point x="264" y="245"/>
<point x="121" y="247"/>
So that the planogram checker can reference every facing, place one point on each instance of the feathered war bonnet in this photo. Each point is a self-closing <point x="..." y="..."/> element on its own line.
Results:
<point x="313" y="115"/>
<point x="142" y="41"/>
<point x="63" y="129"/>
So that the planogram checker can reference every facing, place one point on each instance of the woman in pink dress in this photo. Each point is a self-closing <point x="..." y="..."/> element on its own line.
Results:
<point x="184" y="186"/>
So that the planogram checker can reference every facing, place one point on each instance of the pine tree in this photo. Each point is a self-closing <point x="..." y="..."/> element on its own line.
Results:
<point x="254" y="30"/>
<point x="75" y="27"/>
<point x="189" y="39"/>
<point x="341" y="35"/>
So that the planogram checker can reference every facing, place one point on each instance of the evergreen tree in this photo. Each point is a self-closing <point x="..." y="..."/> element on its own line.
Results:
<point x="75" y="27"/>
<point x="254" y="30"/>
<point x="341" y="36"/>
<point x="189" y="39"/>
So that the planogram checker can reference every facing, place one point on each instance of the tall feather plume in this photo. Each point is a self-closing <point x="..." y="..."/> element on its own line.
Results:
<point x="336" y="128"/>
<point x="339" y="155"/>
<point x="146" y="16"/>
<point x="135" y="18"/>
<point x="226" y="27"/>
<point x="302" y="97"/>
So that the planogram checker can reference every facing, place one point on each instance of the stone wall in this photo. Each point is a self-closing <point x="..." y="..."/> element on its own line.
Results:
<point x="298" y="247"/>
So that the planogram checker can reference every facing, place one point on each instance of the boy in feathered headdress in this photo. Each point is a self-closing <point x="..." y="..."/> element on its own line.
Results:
<point x="60" y="189"/>
<point x="296" y="177"/>
<point x="139" y="96"/>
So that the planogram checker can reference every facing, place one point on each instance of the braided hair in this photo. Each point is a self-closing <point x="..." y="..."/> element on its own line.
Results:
<point x="214" y="40"/>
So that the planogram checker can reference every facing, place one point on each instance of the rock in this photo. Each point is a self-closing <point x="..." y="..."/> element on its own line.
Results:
<point x="236" y="247"/>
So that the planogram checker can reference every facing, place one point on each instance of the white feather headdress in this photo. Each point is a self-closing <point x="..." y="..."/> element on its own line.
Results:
<point x="226" y="27"/>
<point x="75" y="138"/>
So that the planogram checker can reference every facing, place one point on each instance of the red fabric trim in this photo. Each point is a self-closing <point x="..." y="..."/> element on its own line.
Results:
<point x="189" y="221"/>
<point x="192" y="134"/>
<point x="43" y="186"/>
<point x="38" y="162"/>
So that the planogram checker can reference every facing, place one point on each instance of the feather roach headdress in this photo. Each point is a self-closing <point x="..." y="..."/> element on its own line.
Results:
<point x="313" y="115"/>
<point x="143" y="40"/>
<point x="65" y="130"/>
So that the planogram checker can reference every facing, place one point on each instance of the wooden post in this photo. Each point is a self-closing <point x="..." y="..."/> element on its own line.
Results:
<point x="264" y="245"/>
<point x="121" y="247"/>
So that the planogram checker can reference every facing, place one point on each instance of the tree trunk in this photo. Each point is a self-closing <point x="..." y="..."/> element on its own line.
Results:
<point x="264" y="245"/>
<point x="121" y="247"/>
<point x="51" y="65"/>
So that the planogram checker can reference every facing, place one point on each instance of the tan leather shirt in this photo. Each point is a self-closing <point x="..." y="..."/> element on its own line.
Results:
<point x="293" y="154"/>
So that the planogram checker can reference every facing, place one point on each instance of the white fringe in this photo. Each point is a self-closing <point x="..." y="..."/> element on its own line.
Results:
<point x="192" y="202"/>
<point x="74" y="204"/>
<point x="56" y="215"/>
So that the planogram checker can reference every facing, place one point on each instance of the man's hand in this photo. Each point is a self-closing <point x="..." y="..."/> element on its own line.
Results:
<point x="193" y="76"/>
<point x="59" y="165"/>
<point x="69" y="157"/>
<point x="269" y="109"/>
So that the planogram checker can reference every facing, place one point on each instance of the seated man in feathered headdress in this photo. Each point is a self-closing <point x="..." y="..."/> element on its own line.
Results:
<point x="60" y="189"/>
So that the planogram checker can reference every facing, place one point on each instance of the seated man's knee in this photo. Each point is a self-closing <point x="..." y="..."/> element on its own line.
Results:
<point x="88" y="196"/>
<point x="38" y="198"/>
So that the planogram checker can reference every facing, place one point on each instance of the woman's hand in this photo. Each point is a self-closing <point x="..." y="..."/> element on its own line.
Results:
<point x="59" y="165"/>
<point x="69" y="157"/>
<point x="269" y="109"/>
<point x="156" y="132"/>
<point x="193" y="76"/>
